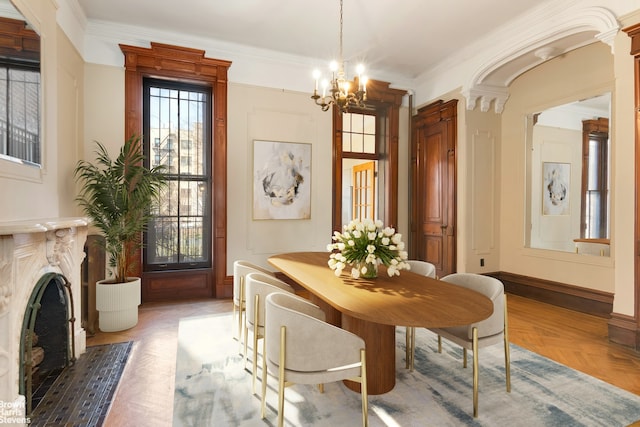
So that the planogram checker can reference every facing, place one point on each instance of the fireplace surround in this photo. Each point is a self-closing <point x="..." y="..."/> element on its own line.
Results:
<point x="30" y="250"/>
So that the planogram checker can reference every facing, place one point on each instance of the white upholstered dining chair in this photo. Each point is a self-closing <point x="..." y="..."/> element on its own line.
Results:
<point x="301" y="348"/>
<point x="427" y="269"/>
<point x="257" y="287"/>
<point x="240" y="269"/>
<point x="491" y="331"/>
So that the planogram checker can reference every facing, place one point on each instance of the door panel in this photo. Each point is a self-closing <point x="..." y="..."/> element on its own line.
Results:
<point x="364" y="191"/>
<point x="434" y="186"/>
<point x="433" y="252"/>
<point x="433" y="183"/>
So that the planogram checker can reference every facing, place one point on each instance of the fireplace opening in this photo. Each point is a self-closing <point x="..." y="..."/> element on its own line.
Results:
<point x="46" y="346"/>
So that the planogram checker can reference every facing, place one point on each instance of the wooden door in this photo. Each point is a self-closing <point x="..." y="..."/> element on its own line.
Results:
<point x="625" y="329"/>
<point x="364" y="191"/>
<point x="433" y="222"/>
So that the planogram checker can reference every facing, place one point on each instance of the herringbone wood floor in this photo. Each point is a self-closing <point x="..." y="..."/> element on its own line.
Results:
<point x="145" y="394"/>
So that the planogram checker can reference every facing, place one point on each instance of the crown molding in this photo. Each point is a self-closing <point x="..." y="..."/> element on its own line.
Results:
<point x="72" y="20"/>
<point x="553" y="33"/>
<point x="495" y="60"/>
<point x="277" y="69"/>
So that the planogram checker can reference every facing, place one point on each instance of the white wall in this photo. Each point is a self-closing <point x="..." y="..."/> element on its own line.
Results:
<point x="623" y="147"/>
<point x="48" y="191"/>
<point x="254" y="113"/>
<point x="580" y="74"/>
<point x="266" y="114"/>
<point x="104" y="109"/>
<point x="555" y="230"/>
<point x="478" y="190"/>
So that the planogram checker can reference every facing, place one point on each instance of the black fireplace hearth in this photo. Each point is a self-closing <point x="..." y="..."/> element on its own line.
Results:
<point x="46" y="345"/>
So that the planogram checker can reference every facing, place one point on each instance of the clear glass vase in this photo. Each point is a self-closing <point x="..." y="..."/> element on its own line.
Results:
<point x="368" y="270"/>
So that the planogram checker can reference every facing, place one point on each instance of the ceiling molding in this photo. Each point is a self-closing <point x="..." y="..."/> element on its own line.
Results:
<point x="563" y="31"/>
<point x="487" y="95"/>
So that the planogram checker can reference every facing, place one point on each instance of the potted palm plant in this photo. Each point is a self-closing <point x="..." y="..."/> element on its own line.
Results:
<point x="119" y="196"/>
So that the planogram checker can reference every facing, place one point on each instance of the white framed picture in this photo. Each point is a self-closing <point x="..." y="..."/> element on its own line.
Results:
<point x="556" y="188"/>
<point x="281" y="180"/>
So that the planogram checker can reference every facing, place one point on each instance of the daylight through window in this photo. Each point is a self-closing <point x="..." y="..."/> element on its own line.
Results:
<point x="20" y="112"/>
<point x="177" y="135"/>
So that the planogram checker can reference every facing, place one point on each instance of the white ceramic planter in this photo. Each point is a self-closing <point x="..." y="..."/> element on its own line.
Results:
<point x="117" y="305"/>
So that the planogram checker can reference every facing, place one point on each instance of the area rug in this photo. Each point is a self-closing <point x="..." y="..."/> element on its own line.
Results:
<point x="82" y="393"/>
<point x="213" y="388"/>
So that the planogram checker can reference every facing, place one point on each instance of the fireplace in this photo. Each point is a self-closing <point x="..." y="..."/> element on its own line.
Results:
<point x="40" y="263"/>
<point x="45" y="347"/>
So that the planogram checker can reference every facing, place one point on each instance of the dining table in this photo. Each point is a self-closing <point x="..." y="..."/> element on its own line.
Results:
<point x="372" y="308"/>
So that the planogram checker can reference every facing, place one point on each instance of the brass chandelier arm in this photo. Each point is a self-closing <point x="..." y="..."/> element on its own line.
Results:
<point x="340" y="92"/>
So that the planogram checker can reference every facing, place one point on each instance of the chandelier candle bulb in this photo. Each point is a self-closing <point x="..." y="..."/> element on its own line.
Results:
<point x="341" y="95"/>
<point x="360" y="70"/>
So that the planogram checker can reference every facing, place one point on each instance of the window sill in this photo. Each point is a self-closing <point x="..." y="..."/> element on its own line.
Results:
<point x="13" y="168"/>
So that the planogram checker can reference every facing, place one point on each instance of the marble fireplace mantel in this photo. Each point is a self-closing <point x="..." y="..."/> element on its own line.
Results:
<point x="28" y="250"/>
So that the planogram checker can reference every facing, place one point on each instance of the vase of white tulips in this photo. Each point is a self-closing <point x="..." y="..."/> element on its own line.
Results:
<point x="364" y="245"/>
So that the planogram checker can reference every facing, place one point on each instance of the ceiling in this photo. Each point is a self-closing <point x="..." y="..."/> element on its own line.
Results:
<point x="403" y="38"/>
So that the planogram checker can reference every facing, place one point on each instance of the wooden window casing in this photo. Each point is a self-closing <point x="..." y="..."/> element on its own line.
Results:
<point x="187" y="65"/>
<point x="385" y="103"/>
<point x="595" y="179"/>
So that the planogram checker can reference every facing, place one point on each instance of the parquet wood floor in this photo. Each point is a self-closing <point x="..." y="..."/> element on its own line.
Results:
<point x="145" y="394"/>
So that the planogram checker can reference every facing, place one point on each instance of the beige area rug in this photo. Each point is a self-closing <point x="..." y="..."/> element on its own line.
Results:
<point x="213" y="388"/>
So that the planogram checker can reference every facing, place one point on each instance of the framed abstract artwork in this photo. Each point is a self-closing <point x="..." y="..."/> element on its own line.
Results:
<point x="556" y="188"/>
<point x="281" y="180"/>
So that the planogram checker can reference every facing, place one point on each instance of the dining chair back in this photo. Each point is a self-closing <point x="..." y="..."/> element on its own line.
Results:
<point x="427" y="269"/>
<point x="487" y="332"/>
<point x="257" y="287"/>
<point x="240" y="269"/>
<point x="423" y="268"/>
<point x="301" y="348"/>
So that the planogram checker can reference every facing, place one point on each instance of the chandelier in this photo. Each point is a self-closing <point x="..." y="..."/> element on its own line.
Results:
<point x="339" y="90"/>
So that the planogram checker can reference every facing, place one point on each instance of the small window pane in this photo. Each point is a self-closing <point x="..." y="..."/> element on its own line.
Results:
<point x="346" y="142"/>
<point x="346" y="122"/>
<point x="357" y="143"/>
<point x="369" y="124"/>
<point x="164" y="230"/>
<point x="360" y="131"/>
<point x="369" y="144"/>
<point x="357" y="123"/>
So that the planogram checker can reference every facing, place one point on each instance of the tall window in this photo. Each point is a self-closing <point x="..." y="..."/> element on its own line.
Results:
<point x="359" y="134"/>
<point x="595" y="179"/>
<point x="359" y="163"/>
<point x="20" y="112"/>
<point x="177" y="134"/>
<point x="19" y="91"/>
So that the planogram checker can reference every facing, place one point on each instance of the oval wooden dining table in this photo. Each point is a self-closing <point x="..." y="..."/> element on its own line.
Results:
<point x="373" y="308"/>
